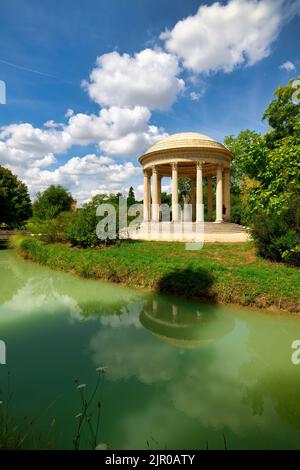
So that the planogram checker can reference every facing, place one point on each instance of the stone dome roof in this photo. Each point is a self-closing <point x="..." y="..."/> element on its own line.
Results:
<point x="186" y="140"/>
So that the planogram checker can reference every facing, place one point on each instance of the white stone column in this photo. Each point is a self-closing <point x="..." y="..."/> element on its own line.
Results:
<point x="227" y="194"/>
<point x="159" y="188"/>
<point x="159" y="196"/>
<point x="199" y="194"/>
<point x="209" y="197"/>
<point x="219" y="195"/>
<point x="175" y="211"/>
<point x="150" y="197"/>
<point x="193" y="197"/>
<point x="155" y="201"/>
<point x="146" y="204"/>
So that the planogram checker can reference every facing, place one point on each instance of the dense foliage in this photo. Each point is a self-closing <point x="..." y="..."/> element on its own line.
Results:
<point x="52" y="230"/>
<point x="81" y="227"/>
<point x="266" y="179"/>
<point x="283" y="113"/>
<point x="84" y="231"/>
<point x="277" y="236"/>
<point x="52" y="202"/>
<point x="15" y="204"/>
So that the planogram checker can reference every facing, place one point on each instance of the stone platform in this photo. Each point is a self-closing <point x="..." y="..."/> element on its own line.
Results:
<point x="205" y="232"/>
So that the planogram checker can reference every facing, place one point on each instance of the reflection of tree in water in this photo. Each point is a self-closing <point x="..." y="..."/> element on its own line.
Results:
<point x="12" y="277"/>
<point x="28" y="287"/>
<point x="270" y="370"/>
<point x="37" y="297"/>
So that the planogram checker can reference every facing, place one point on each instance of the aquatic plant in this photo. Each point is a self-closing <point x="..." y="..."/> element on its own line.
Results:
<point x="89" y="415"/>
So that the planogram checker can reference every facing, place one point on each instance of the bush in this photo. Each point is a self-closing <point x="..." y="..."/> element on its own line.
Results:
<point x="77" y="227"/>
<point x="277" y="235"/>
<point x="82" y="230"/>
<point x="52" y="230"/>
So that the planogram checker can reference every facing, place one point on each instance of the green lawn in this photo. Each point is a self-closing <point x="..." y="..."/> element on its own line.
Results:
<point x="229" y="273"/>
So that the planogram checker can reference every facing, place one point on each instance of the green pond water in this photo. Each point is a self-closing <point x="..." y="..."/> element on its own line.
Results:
<point x="179" y="374"/>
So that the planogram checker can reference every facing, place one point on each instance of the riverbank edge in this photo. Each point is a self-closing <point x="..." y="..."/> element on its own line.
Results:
<point x="78" y="262"/>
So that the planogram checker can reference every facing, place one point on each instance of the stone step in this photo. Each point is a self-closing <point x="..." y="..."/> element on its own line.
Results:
<point x="224" y="232"/>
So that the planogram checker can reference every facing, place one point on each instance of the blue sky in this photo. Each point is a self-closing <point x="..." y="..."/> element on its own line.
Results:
<point x="214" y="72"/>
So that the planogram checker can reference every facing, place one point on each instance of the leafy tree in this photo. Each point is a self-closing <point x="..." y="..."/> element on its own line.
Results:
<point x="265" y="172"/>
<point x="15" y="204"/>
<point x="282" y="114"/>
<point x="52" y="202"/>
<point x="82" y="230"/>
<point x="280" y="179"/>
<point x="266" y="175"/>
<point x="250" y="156"/>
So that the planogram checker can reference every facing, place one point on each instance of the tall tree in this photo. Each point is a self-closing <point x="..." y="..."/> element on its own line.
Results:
<point x="283" y="112"/>
<point x="52" y="202"/>
<point x="250" y="156"/>
<point x="131" y="194"/>
<point x="15" y="204"/>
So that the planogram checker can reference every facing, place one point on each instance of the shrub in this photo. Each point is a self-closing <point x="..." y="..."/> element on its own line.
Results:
<point x="292" y="256"/>
<point x="277" y="235"/>
<point x="52" y="230"/>
<point x="82" y="230"/>
<point x="77" y="227"/>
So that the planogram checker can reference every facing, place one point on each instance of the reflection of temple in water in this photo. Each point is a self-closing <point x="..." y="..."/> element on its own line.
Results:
<point x="187" y="328"/>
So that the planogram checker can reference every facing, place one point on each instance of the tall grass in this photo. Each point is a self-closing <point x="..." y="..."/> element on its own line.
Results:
<point x="221" y="273"/>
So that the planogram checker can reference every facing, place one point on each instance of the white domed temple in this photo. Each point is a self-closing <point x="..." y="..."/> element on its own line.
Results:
<point x="192" y="155"/>
<point x="197" y="157"/>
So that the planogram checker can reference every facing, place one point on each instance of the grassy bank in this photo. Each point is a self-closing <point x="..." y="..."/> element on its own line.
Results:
<point x="218" y="272"/>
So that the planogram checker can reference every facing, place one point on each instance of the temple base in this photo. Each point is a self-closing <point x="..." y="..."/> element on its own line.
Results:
<point x="209" y="232"/>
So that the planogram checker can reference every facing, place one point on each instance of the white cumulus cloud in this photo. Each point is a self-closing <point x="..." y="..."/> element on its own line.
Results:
<point x="148" y="78"/>
<point x="117" y="131"/>
<point x="84" y="176"/>
<point x="223" y="36"/>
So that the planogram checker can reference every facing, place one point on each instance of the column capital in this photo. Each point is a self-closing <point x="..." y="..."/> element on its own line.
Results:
<point x="174" y="165"/>
<point x="154" y="169"/>
<point x="146" y="172"/>
<point x="199" y="165"/>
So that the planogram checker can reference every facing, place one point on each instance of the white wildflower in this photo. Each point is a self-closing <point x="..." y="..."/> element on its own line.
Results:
<point x="81" y="386"/>
<point x="101" y="446"/>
